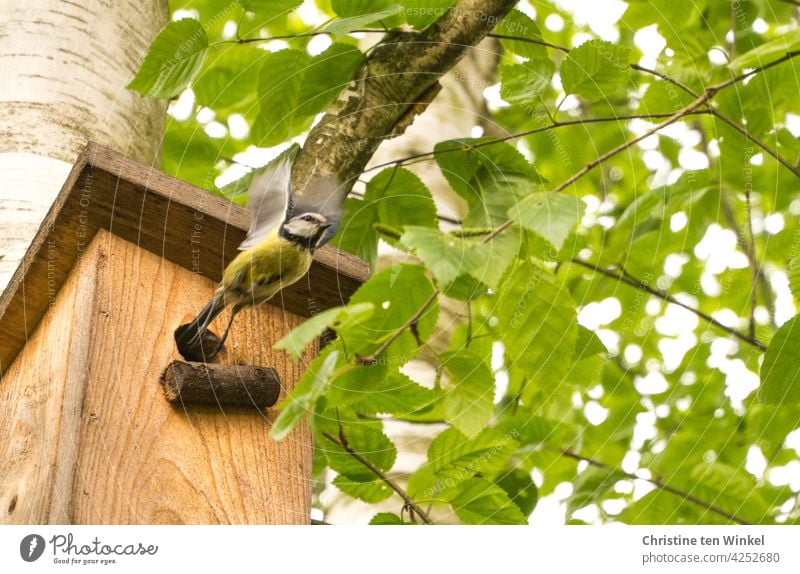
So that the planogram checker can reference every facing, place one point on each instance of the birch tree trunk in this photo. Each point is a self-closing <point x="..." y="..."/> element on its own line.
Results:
<point x="65" y="67"/>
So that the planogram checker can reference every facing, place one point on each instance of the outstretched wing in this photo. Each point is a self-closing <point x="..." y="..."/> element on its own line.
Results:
<point x="321" y="195"/>
<point x="268" y="198"/>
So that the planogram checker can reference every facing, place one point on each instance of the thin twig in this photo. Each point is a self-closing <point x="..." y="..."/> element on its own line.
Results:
<point x="667" y="78"/>
<point x="736" y="79"/>
<point x="746" y="133"/>
<point x="702" y="100"/>
<point x="530" y="41"/>
<point x="292" y="36"/>
<point x="373" y="358"/>
<point x="655" y="482"/>
<point x="749" y="250"/>
<point x="638" y="284"/>
<point x="553" y="125"/>
<point x="751" y="256"/>
<point x="343" y="443"/>
<point x="680" y="114"/>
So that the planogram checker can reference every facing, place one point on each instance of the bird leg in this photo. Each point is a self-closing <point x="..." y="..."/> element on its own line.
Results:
<point x="236" y="309"/>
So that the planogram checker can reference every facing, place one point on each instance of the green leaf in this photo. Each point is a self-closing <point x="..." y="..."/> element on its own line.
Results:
<point x="468" y="404"/>
<point x="684" y="24"/>
<point x="521" y="489"/>
<point x="189" y="153"/>
<point x="538" y="326"/>
<point x="347" y="8"/>
<point x="327" y="74"/>
<point x="369" y="390"/>
<point x="451" y="451"/>
<point x="384" y="518"/>
<point x="450" y="255"/>
<point x="400" y="198"/>
<point x="661" y="507"/>
<point x="392" y="313"/>
<point x="768" y="426"/>
<point x="301" y="400"/>
<point x="590" y="486"/>
<point x="338" y="319"/>
<point x="270" y="7"/>
<point x="478" y="501"/>
<point x="357" y="233"/>
<point x="587" y="345"/>
<point x="524" y="83"/>
<point x="780" y="377"/>
<point x="372" y="491"/>
<point x="343" y="26"/>
<point x="369" y="442"/>
<point x="497" y="256"/>
<point x="520" y="25"/>
<point x="423" y="13"/>
<point x="490" y="178"/>
<point x="661" y="96"/>
<point x="596" y="70"/>
<point x="280" y="83"/>
<point x="768" y="52"/>
<point x="445" y="255"/>
<point x="794" y="277"/>
<point x="453" y="457"/>
<point x="730" y="488"/>
<point x="552" y="216"/>
<point x="293" y="87"/>
<point x="228" y="80"/>
<point x="173" y="60"/>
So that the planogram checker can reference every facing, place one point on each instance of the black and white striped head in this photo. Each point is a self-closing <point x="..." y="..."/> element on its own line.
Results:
<point x="305" y="229"/>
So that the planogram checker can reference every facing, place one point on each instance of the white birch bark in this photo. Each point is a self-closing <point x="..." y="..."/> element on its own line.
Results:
<point x="64" y="67"/>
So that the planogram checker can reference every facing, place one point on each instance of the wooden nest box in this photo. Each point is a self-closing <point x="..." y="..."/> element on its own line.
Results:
<point x="125" y="255"/>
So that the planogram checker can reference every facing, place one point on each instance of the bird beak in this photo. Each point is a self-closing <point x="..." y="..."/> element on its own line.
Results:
<point x="326" y="225"/>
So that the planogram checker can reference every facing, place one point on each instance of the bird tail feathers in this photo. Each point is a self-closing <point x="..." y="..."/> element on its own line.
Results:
<point x="191" y="333"/>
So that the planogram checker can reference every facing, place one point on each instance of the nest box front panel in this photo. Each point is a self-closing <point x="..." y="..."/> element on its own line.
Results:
<point x="144" y="461"/>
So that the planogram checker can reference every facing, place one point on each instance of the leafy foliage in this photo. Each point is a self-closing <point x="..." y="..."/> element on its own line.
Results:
<point x="625" y="290"/>
<point x="780" y="378"/>
<point x="173" y="60"/>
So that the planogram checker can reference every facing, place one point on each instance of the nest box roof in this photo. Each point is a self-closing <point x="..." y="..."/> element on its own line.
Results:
<point x="169" y="217"/>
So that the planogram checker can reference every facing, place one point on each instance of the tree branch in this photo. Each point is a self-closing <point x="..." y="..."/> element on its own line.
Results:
<point x="634" y="282"/>
<point x="343" y="443"/>
<point x="655" y="482"/>
<point x="389" y="87"/>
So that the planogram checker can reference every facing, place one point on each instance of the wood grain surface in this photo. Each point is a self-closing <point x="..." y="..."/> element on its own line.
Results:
<point x="41" y="397"/>
<point x="177" y="221"/>
<point x="93" y="441"/>
<point x="212" y="383"/>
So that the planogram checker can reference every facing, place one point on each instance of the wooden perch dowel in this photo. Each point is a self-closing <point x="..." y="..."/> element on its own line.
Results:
<point x="208" y="383"/>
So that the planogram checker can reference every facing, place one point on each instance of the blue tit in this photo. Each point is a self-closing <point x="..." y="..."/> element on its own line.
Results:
<point x="277" y="251"/>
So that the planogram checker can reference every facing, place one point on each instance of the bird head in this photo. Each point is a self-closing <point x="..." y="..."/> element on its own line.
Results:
<point x="305" y="229"/>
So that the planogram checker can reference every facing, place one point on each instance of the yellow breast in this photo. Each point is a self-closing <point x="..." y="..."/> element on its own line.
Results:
<point x="260" y="272"/>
